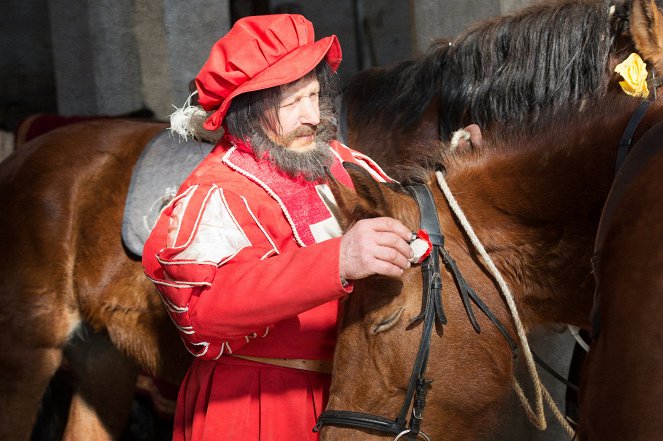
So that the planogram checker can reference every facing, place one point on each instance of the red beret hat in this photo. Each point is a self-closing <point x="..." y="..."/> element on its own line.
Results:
<point x="260" y="52"/>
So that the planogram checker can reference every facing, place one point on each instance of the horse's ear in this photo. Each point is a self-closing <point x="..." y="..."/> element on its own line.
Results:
<point x="646" y="27"/>
<point x="368" y="200"/>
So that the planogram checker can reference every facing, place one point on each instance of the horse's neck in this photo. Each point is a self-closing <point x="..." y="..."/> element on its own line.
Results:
<point x="537" y="210"/>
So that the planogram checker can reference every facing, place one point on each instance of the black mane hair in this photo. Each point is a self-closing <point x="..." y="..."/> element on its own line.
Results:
<point x="505" y="70"/>
<point x="560" y="133"/>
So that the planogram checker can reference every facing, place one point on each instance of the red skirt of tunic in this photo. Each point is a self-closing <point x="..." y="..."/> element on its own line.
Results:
<point x="239" y="400"/>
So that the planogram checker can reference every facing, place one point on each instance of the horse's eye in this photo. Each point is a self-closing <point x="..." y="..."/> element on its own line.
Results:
<point x="387" y="322"/>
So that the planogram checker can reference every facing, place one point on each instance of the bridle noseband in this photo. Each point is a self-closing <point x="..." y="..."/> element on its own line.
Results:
<point x="431" y="312"/>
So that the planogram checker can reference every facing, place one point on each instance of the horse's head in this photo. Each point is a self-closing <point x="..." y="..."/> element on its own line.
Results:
<point x="378" y="339"/>
<point x="637" y="27"/>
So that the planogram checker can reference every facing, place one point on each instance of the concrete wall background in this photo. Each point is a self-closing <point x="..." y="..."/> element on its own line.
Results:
<point x="110" y="57"/>
<point x="27" y="75"/>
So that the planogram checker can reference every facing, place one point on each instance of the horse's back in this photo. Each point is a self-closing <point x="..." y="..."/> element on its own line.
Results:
<point x="56" y="188"/>
<point x="77" y="145"/>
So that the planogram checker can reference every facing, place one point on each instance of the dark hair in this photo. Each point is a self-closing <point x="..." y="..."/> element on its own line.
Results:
<point x="252" y="111"/>
<point x="503" y="71"/>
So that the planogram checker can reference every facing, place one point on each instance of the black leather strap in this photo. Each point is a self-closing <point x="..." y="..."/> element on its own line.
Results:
<point x="429" y="220"/>
<point x="467" y="293"/>
<point x="415" y="396"/>
<point x="654" y="83"/>
<point x="627" y="137"/>
<point x="430" y="267"/>
<point x="346" y="418"/>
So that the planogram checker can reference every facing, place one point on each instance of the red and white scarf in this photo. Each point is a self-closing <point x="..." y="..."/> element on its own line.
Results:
<point x="308" y="215"/>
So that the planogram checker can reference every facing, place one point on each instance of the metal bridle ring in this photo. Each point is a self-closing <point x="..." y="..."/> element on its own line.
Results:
<point x="406" y="431"/>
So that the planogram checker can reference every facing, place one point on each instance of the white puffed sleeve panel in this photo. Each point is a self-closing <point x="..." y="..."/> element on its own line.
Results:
<point x="216" y="235"/>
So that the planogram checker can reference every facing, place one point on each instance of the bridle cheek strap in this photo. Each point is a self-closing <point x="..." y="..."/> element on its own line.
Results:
<point x="415" y="396"/>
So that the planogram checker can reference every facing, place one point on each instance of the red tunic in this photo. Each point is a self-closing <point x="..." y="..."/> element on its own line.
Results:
<point x="247" y="262"/>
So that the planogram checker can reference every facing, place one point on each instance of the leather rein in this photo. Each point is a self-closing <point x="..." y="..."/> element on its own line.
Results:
<point x="432" y="312"/>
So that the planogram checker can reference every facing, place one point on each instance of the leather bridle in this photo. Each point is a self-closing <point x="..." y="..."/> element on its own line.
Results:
<point x="432" y="312"/>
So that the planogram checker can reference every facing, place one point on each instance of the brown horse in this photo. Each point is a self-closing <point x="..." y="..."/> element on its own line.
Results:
<point x="69" y="289"/>
<point x="534" y="204"/>
<point x="503" y="71"/>
<point x="621" y="393"/>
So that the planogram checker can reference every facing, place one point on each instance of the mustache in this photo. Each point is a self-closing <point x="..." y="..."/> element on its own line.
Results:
<point x="300" y="131"/>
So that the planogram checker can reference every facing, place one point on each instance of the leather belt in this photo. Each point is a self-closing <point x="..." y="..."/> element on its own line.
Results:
<point x="322" y="366"/>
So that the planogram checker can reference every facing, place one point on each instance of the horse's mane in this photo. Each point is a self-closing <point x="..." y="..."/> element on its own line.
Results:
<point x="562" y="132"/>
<point x="505" y="70"/>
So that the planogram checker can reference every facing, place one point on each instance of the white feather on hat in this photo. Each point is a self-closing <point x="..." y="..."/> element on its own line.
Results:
<point x="187" y="122"/>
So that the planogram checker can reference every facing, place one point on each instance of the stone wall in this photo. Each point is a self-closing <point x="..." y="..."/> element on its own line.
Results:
<point x="111" y="57"/>
<point x="27" y="76"/>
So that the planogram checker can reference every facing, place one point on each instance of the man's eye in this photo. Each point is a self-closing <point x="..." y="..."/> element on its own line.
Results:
<point x="289" y="104"/>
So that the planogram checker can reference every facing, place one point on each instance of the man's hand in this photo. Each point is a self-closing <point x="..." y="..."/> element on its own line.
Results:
<point x="375" y="246"/>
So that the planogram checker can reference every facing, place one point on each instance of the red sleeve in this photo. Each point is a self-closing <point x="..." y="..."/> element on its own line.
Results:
<point x="221" y="286"/>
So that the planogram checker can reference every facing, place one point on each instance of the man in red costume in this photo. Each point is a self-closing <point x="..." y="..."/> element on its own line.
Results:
<point x="248" y="258"/>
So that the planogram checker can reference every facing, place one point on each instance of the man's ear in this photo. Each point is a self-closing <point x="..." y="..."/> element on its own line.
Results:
<point x="646" y="28"/>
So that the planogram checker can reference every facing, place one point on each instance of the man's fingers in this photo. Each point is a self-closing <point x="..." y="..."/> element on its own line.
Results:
<point x="390" y="270"/>
<point x="375" y="246"/>
<point x="392" y="256"/>
<point x="396" y="245"/>
<point x="387" y="224"/>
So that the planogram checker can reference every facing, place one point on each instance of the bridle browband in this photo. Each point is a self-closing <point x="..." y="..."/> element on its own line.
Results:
<point x="432" y="312"/>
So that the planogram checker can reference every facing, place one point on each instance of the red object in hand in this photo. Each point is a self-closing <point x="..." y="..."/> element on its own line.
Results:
<point x="421" y="246"/>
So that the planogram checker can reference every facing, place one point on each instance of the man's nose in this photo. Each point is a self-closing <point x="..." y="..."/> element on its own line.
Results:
<point x="309" y="112"/>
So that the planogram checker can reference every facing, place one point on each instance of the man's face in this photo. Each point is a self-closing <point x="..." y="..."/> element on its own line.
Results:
<point x="299" y="115"/>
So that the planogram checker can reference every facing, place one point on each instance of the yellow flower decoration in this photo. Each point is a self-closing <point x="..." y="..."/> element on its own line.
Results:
<point x="634" y="72"/>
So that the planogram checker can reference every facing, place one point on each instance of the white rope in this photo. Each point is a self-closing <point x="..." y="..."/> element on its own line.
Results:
<point x="538" y="417"/>
<point x="457" y="137"/>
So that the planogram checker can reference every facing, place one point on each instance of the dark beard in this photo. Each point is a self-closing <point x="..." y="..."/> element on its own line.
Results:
<point x="311" y="165"/>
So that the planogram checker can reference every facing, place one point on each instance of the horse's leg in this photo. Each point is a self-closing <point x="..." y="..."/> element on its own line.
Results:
<point x="52" y="416"/>
<point x="36" y="321"/>
<point x="24" y="376"/>
<point x="104" y="390"/>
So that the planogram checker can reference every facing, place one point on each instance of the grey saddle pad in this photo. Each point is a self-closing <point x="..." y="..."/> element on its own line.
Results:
<point x="158" y="174"/>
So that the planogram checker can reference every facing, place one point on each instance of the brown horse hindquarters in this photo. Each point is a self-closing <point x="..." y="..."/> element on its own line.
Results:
<point x="63" y="266"/>
<point x="622" y="390"/>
